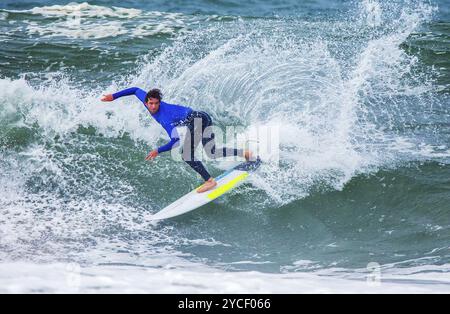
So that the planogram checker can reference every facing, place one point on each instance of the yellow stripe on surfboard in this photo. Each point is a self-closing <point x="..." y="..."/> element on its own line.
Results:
<point x="227" y="186"/>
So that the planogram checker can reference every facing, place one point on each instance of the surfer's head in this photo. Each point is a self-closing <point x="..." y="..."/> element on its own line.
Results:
<point x="153" y="100"/>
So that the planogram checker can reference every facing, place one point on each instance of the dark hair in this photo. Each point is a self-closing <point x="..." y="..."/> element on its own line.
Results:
<point x="154" y="93"/>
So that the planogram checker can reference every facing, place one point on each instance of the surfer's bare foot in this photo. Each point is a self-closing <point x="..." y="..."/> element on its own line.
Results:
<point x="208" y="185"/>
<point x="248" y="155"/>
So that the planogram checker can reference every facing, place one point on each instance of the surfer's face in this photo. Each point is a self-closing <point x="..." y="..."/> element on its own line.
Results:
<point x="153" y="105"/>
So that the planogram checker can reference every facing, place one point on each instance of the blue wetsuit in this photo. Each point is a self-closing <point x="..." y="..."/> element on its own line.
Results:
<point x="171" y="116"/>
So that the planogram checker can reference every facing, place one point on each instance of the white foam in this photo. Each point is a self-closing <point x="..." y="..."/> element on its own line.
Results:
<point x="296" y="87"/>
<point x="3" y="16"/>
<point x="86" y="21"/>
<point x="61" y="109"/>
<point x="85" y="10"/>
<point x="72" y="278"/>
<point x="373" y="12"/>
<point x="77" y="30"/>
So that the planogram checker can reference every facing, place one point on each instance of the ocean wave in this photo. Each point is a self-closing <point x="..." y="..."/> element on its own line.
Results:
<point x="86" y="21"/>
<point x="350" y="107"/>
<point x="84" y="10"/>
<point x="337" y="118"/>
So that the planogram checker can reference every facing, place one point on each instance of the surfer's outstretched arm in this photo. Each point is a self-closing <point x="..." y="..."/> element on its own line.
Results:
<point x="168" y="146"/>
<point x="139" y="93"/>
<point x="154" y="153"/>
<point x="174" y="141"/>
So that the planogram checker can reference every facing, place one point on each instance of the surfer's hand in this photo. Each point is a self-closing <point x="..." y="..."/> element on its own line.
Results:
<point x="152" y="155"/>
<point x="108" y="97"/>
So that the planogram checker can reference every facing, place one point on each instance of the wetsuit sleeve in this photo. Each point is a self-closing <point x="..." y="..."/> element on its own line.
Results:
<point x="168" y="146"/>
<point x="139" y="93"/>
<point x="174" y="141"/>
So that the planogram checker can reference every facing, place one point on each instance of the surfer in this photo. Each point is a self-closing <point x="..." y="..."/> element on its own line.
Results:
<point x="198" y="123"/>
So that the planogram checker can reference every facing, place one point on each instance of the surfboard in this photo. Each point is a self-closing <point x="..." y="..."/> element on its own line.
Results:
<point x="227" y="181"/>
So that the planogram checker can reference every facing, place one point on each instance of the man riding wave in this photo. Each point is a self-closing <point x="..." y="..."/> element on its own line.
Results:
<point x="170" y="117"/>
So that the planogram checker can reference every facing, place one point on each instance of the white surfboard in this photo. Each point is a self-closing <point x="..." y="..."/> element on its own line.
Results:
<point x="193" y="200"/>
